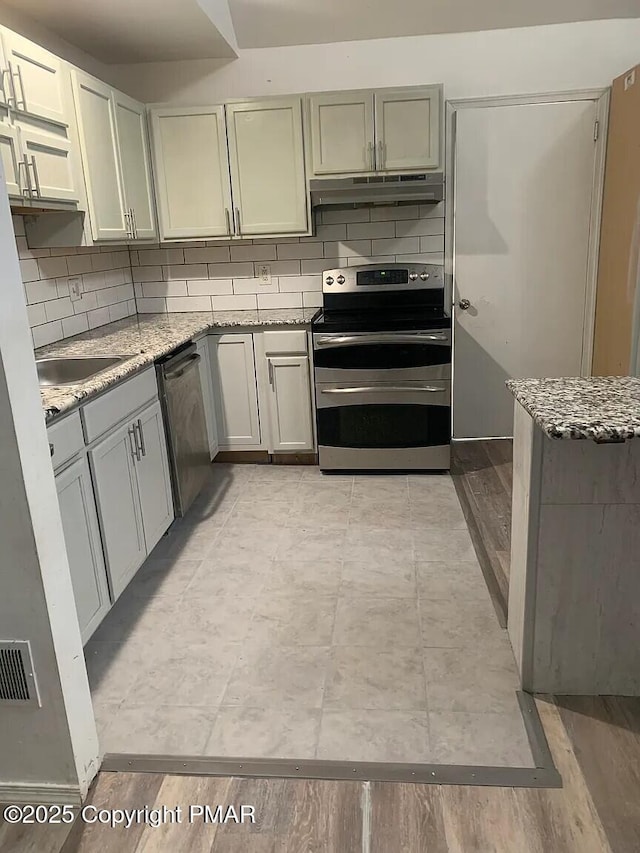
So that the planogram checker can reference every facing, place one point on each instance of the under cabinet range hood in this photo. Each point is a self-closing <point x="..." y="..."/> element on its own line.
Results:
<point x="426" y="187"/>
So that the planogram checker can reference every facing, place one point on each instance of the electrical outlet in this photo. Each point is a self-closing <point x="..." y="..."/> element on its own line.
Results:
<point x="75" y="288"/>
<point x="630" y="79"/>
<point x="264" y="273"/>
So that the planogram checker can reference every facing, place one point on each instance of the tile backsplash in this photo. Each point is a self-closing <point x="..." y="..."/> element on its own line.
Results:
<point x="204" y="276"/>
<point x="210" y="275"/>
<point x="107" y="290"/>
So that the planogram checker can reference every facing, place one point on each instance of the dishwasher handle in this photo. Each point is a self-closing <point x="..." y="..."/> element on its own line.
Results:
<point x="183" y="366"/>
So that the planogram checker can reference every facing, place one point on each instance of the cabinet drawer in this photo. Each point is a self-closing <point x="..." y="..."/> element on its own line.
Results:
<point x="112" y="407"/>
<point x="67" y="439"/>
<point x="279" y="342"/>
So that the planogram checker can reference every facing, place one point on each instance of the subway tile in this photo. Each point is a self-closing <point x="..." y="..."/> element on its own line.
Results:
<point x="24" y="252"/>
<point x="154" y="305"/>
<point x="296" y="251"/>
<point x="164" y="288"/>
<point x="319" y="265"/>
<point x="188" y="303"/>
<point x="234" y="303"/>
<point x="30" y="271"/>
<point x="185" y="272"/>
<point x="152" y="257"/>
<point x="371" y="259"/>
<point x="56" y="309"/>
<point x="18" y="225"/>
<point x="300" y="283"/>
<point x="134" y="260"/>
<point x="155" y="273"/>
<point x="125" y="292"/>
<point x="271" y="241"/>
<point x="348" y="249"/>
<point x="123" y="259"/>
<point x="127" y="277"/>
<point x="280" y="300"/>
<point x="59" y="251"/>
<point x="420" y="227"/>
<point x="36" y="314"/>
<point x="99" y="317"/>
<point x="78" y="264"/>
<point x="118" y="311"/>
<point x="75" y="325"/>
<point x="282" y="268"/>
<point x="370" y="230"/>
<point x="436" y="210"/>
<point x="131" y="305"/>
<point x="253" y="253"/>
<point x="312" y="300"/>
<point x="238" y="270"/>
<point x="335" y="215"/>
<point x="108" y="296"/>
<point x="137" y="289"/>
<point x="394" y="212"/>
<point x="395" y="245"/>
<point x="432" y="244"/>
<point x="53" y="267"/>
<point x="253" y="285"/>
<point x="112" y="278"/>
<point x="88" y="302"/>
<point x="62" y="287"/>
<point x="209" y="255"/>
<point x="102" y="261"/>
<point x="48" y="333"/>
<point x="328" y="232"/>
<point x="40" y="291"/>
<point x="210" y="287"/>
<point x="93" y="281"/>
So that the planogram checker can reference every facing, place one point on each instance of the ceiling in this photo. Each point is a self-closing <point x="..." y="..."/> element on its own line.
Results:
<point x="269" y="23"/>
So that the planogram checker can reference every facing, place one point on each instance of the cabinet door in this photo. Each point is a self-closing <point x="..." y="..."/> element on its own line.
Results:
<point x="152" y="469"/>
<point x="98" y="145"/>
<point x="266" y="155"/>
<point x="289" y="403"/>
<point x="11" y="160"/>
<point x="37" y="77"/>
<point x="342" y="132"/>
<point x="135" y="165"/>
<point x="49" y="160"/>
<point x="408" y="129"/>
<point x="191" y="172"/>
<point x="235" y="391"/>
<point x="84" y="547"/>
<point x="204" y="367"/>
<point x="113" y="462"/>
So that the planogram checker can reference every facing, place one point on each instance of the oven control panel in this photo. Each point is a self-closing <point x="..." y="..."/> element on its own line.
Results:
<point x="375" y="278"/>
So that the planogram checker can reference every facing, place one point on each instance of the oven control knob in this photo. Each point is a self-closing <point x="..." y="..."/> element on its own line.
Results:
<point x="424" y="276"/>
<point x="328" y="280"/>
<point x="340" y="279"/>
<point x="413" y="276"/>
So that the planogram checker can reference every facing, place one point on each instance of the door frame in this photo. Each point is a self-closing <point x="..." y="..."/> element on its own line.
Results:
<point x="601" y="98"/>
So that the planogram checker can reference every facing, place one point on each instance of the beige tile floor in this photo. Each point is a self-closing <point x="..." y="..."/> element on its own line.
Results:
<point x="297" y="615"/>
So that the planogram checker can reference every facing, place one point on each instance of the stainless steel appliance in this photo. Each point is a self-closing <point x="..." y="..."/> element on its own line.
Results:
<point x="382" y="368"/>
<point x="359" y="191"/>
<point x="185" y="425"/>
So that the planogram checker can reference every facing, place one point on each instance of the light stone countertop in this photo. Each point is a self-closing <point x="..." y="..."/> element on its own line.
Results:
<point x="147" y="337"/>
<point x="600" y="408"/>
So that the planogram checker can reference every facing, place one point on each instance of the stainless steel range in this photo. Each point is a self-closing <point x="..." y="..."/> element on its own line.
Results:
<point x="382" y="364"/>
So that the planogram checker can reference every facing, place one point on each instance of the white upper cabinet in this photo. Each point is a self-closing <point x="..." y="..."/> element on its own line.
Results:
<point x="407" y="128"/>
<point x="342" y="132"/>
<point x="191" y="172"/>
<point x="34" y="79"/>
<point x="388" y="130"/>
<point x="11" y="159"/>
<point x="98" y="144"/>
<point x="135" y="163"/>
<point x="266" y="155"/>
<point x="48" y="166"/>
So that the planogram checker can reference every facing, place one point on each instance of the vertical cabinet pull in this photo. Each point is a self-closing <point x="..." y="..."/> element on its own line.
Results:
<point x="36" y="177"/>
<point x="10" y="91"/>
<point x="270" y="363"/>
<point x="24" y="164"/>
<point x="372" y="158"/>
<point x="238" y="229"/>
<point x="127" y="222"/>
<point x="228" y="218"/>
<point x="134" y="224"/>
<point x="22" y="99"/>
<point x="133" y="443"/>
<point x="13" y="76"/>
<point x="381" y="154"/>
<point x="143" y="449"/>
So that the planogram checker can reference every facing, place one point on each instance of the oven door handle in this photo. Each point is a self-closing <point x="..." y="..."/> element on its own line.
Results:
<point x="366" y="389"/>
<point x="347" y="340"/>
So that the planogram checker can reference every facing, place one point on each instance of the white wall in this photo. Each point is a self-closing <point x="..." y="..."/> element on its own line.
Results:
<point x="497" y="62"/>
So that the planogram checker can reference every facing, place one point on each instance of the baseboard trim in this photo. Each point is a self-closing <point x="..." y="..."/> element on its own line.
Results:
<point x="26" y="792"/>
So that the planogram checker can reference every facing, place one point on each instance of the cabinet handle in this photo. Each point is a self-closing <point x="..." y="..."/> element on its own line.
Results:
<point x="382" y="154"/>
<point x="238" y="229"/>
<point x="51" y="449"/>
<point x="133" y="443"/>
<point x="34" y="166"/>
<point x="27" y="174"/>
<point x="17" y="75"/>
<point x="270" y="363"/>
<point x="134" y="224"/>
<point x="127" y="220"/>
<point x="141" y="434"/>
<point x="10" y="92"/>
<point x="372" y="158"/>
<point x="228" y="218"/>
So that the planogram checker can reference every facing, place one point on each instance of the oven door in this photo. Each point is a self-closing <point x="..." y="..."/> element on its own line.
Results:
<point x="393" y="425"/>
<point x="368" y="357"/>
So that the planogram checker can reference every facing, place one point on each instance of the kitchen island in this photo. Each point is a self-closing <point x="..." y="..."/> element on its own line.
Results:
<point x="574" y="597"/>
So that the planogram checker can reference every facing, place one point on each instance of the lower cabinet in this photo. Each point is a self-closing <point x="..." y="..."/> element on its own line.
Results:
<point x="84" y="548"/>
<point x="233" y="373"/>
<point x="133" y="492"/>
<point x="204" y="366"/>
<point x="288" y="393"/>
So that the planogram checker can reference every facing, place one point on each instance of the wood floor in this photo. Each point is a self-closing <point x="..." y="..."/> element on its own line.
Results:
<point x="482" y="473"/>
<point x="595" y="744"/>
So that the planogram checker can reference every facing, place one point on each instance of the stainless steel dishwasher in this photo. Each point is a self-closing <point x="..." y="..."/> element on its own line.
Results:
<point x="185" y="425"/>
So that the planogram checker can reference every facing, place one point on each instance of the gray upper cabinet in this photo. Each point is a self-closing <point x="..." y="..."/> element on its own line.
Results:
<point x="383" y="131"/>
<point x="135" y="164"/>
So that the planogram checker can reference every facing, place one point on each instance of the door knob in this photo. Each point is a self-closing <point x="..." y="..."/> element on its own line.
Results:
<point x="464" y="304"/>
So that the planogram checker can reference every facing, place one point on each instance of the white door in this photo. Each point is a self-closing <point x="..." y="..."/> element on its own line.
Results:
<point x="266" y="154"/>
<point x="408" y="128"/>
<point x="341" y="129"/>
<point x="37" y="79"/>
<point x="49" y="159"/>
<point x="191" y="172"/>
<point x="235" y="390"/>
<point x="84" y="547"/>
<point x="152" y="469"/>
<point x="289" y="403"/>
<point x="524" y="177"/>
<point x="135" y="163"/>
<point x="11" y="159"/>
<point x="113" y="462"/>
<point x="204" y="367"/>
<point x="98" y="145"/>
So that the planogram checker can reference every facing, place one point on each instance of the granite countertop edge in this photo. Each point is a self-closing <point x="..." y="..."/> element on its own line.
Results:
<point x="604" y="409"/>
<point x="146" y="338"/>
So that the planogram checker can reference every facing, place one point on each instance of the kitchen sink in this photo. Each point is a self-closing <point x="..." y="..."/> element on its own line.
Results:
<point x="70" y="371"/>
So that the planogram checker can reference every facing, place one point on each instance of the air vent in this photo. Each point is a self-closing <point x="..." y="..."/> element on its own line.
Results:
<point x="17" y="677"/>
